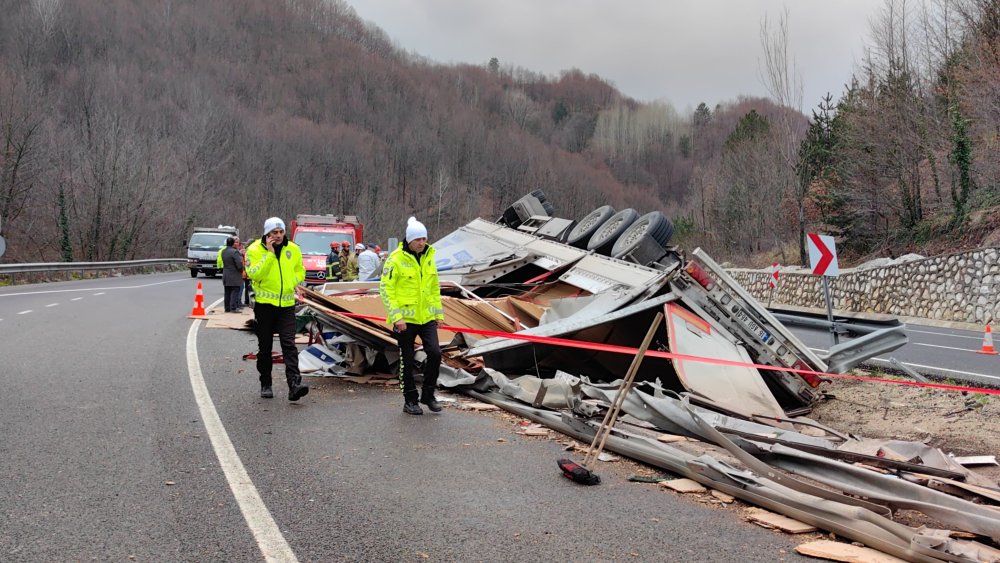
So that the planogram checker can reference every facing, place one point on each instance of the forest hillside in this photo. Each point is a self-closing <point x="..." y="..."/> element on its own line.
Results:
<point x="125" y="123"/>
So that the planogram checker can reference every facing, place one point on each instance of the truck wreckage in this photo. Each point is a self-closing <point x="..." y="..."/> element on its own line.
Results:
<point x="543" y="315"/>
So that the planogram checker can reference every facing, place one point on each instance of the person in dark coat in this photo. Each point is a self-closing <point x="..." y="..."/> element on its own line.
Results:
<point x="232" y="276"/>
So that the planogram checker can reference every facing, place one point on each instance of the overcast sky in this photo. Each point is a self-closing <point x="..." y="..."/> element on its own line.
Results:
<point x="681" y="51"/>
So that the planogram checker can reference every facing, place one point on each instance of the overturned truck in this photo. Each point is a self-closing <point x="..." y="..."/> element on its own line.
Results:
<point x="543" y="315"/>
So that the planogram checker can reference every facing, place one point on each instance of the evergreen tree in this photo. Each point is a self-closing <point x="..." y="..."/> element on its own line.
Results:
<point x="65" y="244"/>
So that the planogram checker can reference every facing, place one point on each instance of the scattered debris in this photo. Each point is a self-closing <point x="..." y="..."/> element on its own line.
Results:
<point x="671" y="438"/>
<point x="723" y="497"/>
<point x="837" y="551"/>
<point x="647" y="479"/>
<point x="976" y="460"/>
<point x="785" y="524"/>
<point x="548" y="329"/>
<point x="683" y="486"/>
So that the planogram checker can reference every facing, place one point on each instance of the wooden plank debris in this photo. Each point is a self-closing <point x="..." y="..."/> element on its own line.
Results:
<point x="977" y="460"/>
<point x="783" y="523"/>
<point x="684" y="486"/>
<point x="836" y="551"/>
<point x="671" y="438"/>
<point x="723" y="497"/>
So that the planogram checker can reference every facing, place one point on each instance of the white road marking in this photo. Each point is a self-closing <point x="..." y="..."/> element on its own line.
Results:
<point x="76" y="298"/>
<point x="265" y="530"/>
<point x="939" y="346"/>
<point x="51" y="304"/>
<point x="90" y="289"/>
<point x="101" y="293"/>
<point x="944" y="334"/>
<point x="24" y="312"/>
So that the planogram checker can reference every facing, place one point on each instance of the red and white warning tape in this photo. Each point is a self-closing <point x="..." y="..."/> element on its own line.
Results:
<point x="627" y="350"/>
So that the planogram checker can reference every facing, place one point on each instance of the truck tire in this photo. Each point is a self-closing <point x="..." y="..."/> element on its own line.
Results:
<point x="194" y="273"/>
<point x="604" y="238"/>
<point x="585" y="228"/>
<point x="653" y="225"/>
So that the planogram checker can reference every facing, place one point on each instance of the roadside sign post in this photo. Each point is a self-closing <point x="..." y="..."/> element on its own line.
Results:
<point x="823" y="261"/>
<point x="773" y="282"/>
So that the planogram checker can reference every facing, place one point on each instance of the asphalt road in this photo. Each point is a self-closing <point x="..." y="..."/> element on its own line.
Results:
<point x="107" y="455"/>
<point x="937" y="351"/>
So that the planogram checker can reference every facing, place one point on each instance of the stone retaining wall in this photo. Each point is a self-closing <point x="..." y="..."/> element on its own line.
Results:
<point x="955" y="287"/>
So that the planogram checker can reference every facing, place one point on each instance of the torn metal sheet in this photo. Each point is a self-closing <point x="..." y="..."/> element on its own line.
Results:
<point x="669" y="415"/>
<point x="553" y="393"/>
<point x="917" y="451"/>
<point x="623" y="327"/>
<point x="890" y="490"/>
<point x="737" y="389"/>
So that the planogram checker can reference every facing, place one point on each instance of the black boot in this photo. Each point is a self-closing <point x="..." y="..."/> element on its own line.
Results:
<point x="429" y="400"/>
<point x="265" y="392"/>
<point x="412" y="408"/>
<point x="296" y="392"/>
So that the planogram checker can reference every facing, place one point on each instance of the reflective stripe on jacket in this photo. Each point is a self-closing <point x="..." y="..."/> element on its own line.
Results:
<point x="274" y="277"/>
<point x="410" y="291"/>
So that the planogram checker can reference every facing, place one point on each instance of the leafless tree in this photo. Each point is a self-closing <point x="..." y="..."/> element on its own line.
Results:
<point x="784" y="84"/>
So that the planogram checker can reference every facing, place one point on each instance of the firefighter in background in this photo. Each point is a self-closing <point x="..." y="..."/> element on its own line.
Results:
<point x="333" y="262"/>
<point x="348" y="263"/>
<point x="412" y="300"/>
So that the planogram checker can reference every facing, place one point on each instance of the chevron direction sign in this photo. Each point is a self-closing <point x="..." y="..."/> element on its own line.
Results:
<point x="823" y="255"/>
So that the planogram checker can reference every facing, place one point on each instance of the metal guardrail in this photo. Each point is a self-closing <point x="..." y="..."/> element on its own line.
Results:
<point x="78" y="266"/>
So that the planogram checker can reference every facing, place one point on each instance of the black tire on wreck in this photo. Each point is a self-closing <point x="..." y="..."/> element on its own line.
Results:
<point x="604" y="238"/>
<point x="585" y="228"/>
<point x="653" y="225"/>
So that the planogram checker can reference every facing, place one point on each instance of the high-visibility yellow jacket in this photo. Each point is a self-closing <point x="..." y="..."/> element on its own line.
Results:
<point x="275" y="274"/>
<point x="410" y="290"/>
<point x="218" y="258"/>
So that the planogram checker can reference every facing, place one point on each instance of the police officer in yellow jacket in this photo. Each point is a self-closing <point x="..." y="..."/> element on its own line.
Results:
<point x="412" y="300"/>
<point x="274" y="265"/>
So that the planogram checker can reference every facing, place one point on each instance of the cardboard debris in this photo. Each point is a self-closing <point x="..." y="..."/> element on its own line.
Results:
<point x="683" y="486"/>
<point x="536" y="432"/>
<point x="607" y="457"/>
<point x="836" y="551"/>
<point x="481" y="407"/>
<point x="783" y="523"/>
<point x="234" y="321"/>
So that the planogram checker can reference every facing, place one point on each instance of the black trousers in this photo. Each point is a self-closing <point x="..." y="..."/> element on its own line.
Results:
<point x="429" y="336"/>
<point x="273" y="319"/>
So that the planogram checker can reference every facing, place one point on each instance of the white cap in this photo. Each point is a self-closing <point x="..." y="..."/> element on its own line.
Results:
<point x="273" y="223"/>
<point x="415" y="229"/>
<point x="359" y="246"/>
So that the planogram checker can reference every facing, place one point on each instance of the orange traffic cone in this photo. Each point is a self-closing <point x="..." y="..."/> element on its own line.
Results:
<point x="987" y="343"/>
<point x="199" y="304"/>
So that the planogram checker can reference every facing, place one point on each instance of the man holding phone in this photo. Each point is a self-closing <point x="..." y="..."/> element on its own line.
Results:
<point x="274" y="265"/>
